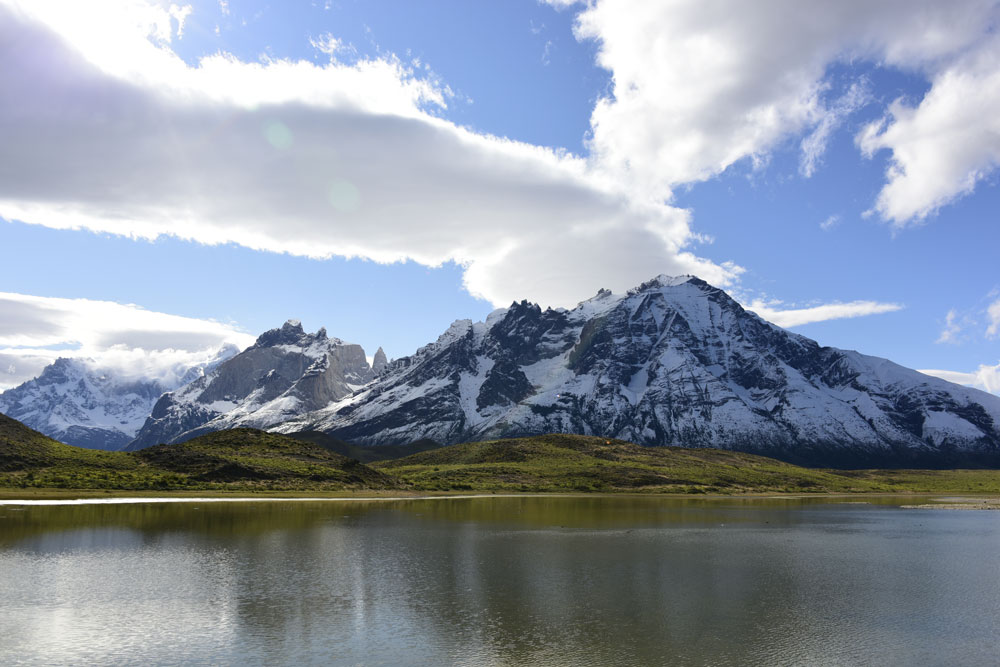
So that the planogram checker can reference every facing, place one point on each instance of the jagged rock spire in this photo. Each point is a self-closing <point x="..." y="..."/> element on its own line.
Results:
<point x="380" y="361"/>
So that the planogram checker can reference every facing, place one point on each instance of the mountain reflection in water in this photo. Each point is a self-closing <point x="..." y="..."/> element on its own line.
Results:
<point x="533" y="580"/>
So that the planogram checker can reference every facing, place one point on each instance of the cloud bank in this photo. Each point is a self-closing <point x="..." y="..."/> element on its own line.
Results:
<point x="699" y="85"/>
<point x="105" y="128"/>
<point x="34" y="331"/>
<point x="985" y="377"/>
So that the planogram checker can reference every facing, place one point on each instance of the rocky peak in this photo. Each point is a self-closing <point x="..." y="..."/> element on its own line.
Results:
<point x="380" y="362"/>
<point x="57" y="372"/>
<point x="82" y="404"/>
<point x="290" y="333"/>
<point x="674" y="361"/>
<point x="663" y="280"/>
<point x="286" y="372"/>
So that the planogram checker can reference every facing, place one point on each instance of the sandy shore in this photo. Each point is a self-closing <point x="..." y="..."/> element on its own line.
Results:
<point x="958" y="504"/>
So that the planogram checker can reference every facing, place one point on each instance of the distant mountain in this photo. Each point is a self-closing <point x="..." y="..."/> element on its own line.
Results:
<point x="285" y="373"/>
<point x="80" y="403"/>
<point x="674" y="361"/>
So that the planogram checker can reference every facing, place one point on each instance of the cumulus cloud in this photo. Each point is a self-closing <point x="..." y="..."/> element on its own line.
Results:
<point x="960" y="325"/>
<point x="105" y="128"/>
<point x="831" y="222"/>
<point x="993" y="313"/>
<point x="34" y="331"/>
<point x="793" y="317"/>
<point x="985" y="377"/>
<point x="943" y="146"/>
<point x="699" y="85"/>
<point x="952" y="328"/>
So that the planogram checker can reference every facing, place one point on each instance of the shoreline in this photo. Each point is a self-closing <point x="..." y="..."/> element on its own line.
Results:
<point x="66" y="497"/>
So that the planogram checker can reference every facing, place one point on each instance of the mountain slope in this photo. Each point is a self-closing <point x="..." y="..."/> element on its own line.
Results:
<point x="560" y="462"/>
<point x="23" y="449"/>
<point x="79" y="403"/>
<point x="240" y="459"/>
<point x="285" y="373"/>
<point x="249" y="455"/>
<point x="674" y="361"/>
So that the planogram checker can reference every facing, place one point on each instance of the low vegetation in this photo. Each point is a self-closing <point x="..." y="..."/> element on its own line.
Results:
<point x="570" y="463"/>
<point x="238" y="460"/>
<point x="247" y="460"/>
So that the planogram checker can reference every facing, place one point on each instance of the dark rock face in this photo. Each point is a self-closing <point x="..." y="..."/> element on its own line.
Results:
<point x="673" y="362"/>
<point x="286" y="372"/>
<point x="379" y="362"/>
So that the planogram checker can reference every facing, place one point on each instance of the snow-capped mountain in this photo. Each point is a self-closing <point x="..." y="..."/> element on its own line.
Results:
<point x="284" y="374"/>
<point x="82" y="404"/>
<point x="674" y="361"/>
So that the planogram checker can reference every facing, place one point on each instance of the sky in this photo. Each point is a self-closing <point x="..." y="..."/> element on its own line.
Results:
<point x="179" y="175"/>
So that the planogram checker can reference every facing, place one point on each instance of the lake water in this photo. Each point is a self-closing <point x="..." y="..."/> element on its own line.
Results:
<point x="500" y="581"/>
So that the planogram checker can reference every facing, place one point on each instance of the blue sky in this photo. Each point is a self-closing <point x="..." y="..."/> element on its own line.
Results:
<point x="832" y="168"/>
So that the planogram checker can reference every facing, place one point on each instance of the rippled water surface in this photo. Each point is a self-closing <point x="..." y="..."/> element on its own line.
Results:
<point x="520" y="581"/>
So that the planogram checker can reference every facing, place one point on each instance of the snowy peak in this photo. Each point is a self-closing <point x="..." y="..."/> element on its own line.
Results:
<point x="674" y="361"/>
<point x="284" y="373"/>
<point x="663" y="280"/>
<point x="290" y="333"/>
<point x="82" y="404"/>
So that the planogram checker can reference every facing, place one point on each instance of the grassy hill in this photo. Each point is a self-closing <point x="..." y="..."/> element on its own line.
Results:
<point x="251" y="456"/>
<point x="363" y="454"/>
<point x="240" y="459"/>
<point x="248" y="460"/>
<point x="581" y="463"/>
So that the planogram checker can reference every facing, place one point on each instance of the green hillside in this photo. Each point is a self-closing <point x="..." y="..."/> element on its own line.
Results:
<point x="582" y="463"/>
<point x="363" y="454"/>
<point x="248" y="460"/>
<point x="240" y="459"/>
<point x="250" y="456"/>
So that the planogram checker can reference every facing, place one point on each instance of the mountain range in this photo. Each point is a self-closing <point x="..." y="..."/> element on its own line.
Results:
<point x="82" y="403"/>
<point x="674" y="361"/>
<point x="285" y="373"/>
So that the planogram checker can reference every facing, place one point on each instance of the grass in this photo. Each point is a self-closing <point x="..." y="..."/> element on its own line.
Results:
<point x="237" y="460"/>
<point x="247" y="461"/>
<point x="568" y="463"/>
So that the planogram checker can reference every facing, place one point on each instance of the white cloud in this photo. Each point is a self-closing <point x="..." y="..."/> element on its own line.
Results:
<point x="831" y="222"/>
<point x="699" y="85"/>
<point x="34" y="331"/>
<point x="112" y="132"/>
<point x="814" y="144"/>
<point x="985" y="377"/>
<point x="993" y="313"/>
<point x="952" y="328"/>
<point x="180" y="13"/>
<point x="793" y="317"/>
<point x="942" y="147"/>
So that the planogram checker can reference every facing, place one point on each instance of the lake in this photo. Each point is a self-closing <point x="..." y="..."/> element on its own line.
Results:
<point x="554" y="580"/>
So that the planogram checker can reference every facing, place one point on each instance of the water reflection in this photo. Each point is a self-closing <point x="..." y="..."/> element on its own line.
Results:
<point x="547" y="580"/>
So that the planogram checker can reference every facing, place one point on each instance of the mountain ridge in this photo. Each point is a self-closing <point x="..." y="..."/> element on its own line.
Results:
<point x="284" y="373"/>
<point x="673" y="361"/>
<point x="79" y="402"/>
